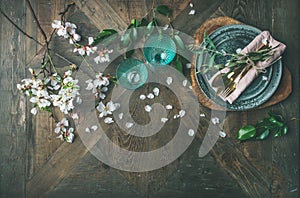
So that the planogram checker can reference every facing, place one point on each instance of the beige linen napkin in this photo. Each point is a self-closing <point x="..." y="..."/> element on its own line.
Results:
<point x="260" y="65"/>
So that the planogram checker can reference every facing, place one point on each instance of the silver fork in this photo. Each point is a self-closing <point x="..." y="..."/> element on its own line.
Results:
<point x="232" y="85"/>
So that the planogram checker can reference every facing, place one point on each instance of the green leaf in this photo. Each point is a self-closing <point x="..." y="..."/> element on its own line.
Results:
<point x="164" y="10"/>
<point x="284" y="130"/>
<point x="278" y="132"/>
<point x="134" y="22"/>
<point x="263" y="135"/>
<point x="276" y="116"/>
<point x="179" y="41"/>
<point x="103" y="34"/>
<point x="212" y="61"/>
<point x="246" y="132"/>
<point x="273" y="120"/>
<point x="179" y="64"/>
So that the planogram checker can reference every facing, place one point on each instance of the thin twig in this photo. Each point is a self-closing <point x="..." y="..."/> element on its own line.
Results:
<point x="37" y="22"/>
<point x="16" y="26"/>
<point x="63" y="13"/>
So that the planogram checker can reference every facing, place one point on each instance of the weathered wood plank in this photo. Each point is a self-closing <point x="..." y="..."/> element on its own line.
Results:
<point x="12" y="105"/>
<point x="102" y="15"/>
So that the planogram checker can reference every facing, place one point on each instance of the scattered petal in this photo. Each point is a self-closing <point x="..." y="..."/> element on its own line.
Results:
<point x="191" y="5"/>
<point x="184" y="83"/>
<point x="121" y="116"/>
<point x="128" y="125"/>
<point x="222" y="134"/>
<point x="156" y="91"/>
<point x="94" y="127"/>
<point x="190" y="87"/>
<point x="176" y="116"/>
<point x="192" y="12"/>
<point x="264" y="78"/>
<point x="78" y="100"/>
<point x="169" y="80"/>
<point x="169" y="107"/>
<point x="191" y="132"/>
<point x="202" y="115"/>
<point x="188" y="65"/>
<point x="148" y="108"/>
<point x="87" y="130"/>
<point x="238" y="50"/>
<point x="215" y="120"/>
<point x="75" y="116"/>
<point x="182" y="113"/>
<point x="150" y="96"/>
<point x="33" y="111"/>
<point x="108" y="120"/>
<point x="166" y="27"/>
<point x="142" y="97"/>
<point x="164" y="120"/>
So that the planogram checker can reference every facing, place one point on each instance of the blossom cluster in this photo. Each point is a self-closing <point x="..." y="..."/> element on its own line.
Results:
<point x="65" y="131"/>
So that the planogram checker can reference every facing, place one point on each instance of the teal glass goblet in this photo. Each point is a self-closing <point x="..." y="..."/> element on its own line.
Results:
<point x="159" y="49"/>
<point x="131" y="73"/>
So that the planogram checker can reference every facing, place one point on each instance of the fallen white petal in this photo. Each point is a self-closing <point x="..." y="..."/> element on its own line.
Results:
<point x="190" y="87"/>
<point x="94" y="127"/>
<point x="222" y="134"/>
<point x="150" y="96"/>
<point x="108" y="120"/>
<point x="75" y="116"/>
<point x="215" y="120"/>
<point x="148" y="108"/>
<point x="176" y="116"/>
<point x="164" y="120"/>
<point x="191" y="5"/>
<point x="264" y="78"/>
<point x="188" y="65"/>
<point x="202" y="115"/>
<point x="121" y="116"/>
<point x="156" y="91"/>
<point x="128" y="125"/>
<point x="142" y="97"/>
<point x="169" y="80"/>
<point x="169" y="107"/>
<point x="182" y="113"/>
<point x="191" y="132"/>
<point x="238" y="50"/>
<point x="192" y="12"/>
<point x="87" y="130"/>
<point x="184" y="83"/>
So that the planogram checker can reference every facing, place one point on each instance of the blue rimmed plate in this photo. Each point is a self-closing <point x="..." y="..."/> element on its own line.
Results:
<point x="230" y="38"/>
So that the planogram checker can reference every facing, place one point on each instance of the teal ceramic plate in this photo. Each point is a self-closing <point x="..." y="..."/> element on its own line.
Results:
<point x="230" y="38"/>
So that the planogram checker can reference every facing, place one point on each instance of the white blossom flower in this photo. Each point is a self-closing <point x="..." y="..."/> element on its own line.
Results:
<point x="33" y="111"/>
<point x="88" y="130"/>
<point x="169" y="80"/>
<point x="148" y="108"/>
<point x="61" y="126"/>
<point x="88" y="49"/>
<point x="94" y="127"/>
<point x="103" y="56"/>
<point x="74" y="116"/>
<point x="107" y="109"/>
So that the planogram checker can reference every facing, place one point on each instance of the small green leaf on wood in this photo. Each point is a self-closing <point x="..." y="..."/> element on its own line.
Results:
<point x="178" y="64"/>
<point x="164" y="10"/>
<point x="263" y="135"/>
<point x="134" y="22"/>
<point x="104" y="34"/>
<point x="246" y="132"/>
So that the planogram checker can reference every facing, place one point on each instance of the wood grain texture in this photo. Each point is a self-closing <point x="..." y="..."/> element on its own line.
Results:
<point x="12" y="105"/>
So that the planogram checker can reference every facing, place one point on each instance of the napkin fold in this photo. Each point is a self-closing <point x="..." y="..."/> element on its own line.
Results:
<point x="252" y="73"/>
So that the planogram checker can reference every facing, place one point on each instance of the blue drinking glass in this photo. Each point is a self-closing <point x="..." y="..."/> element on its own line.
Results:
<point x="131" y="73"/>
<point x="159" y="49"/>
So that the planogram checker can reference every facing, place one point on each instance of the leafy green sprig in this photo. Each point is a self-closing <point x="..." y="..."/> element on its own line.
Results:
<point x="273" y="124"/>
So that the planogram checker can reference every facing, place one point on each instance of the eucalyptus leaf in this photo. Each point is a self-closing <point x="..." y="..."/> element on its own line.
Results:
<point x="246" y="132"/>
<point x="179" y="64"/>
<point x="104" y="34"/>
<point x="179" y="41"/>
<point x="164" y="10"/>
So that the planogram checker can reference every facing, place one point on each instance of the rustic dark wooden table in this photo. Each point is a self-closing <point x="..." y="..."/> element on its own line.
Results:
<point x="35" y="164"/>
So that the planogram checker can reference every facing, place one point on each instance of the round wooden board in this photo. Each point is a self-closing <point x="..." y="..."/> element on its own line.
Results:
<point x="285" y="86"/>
